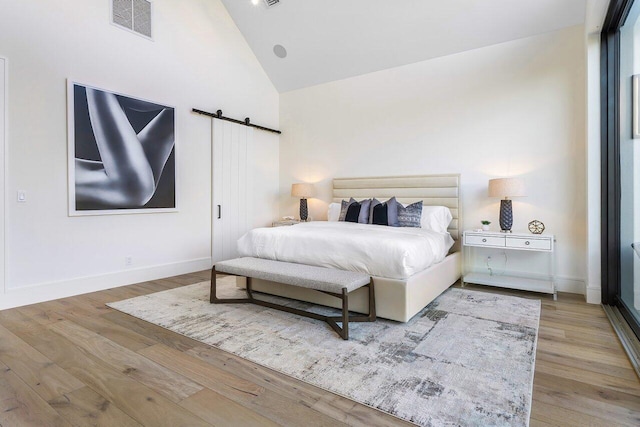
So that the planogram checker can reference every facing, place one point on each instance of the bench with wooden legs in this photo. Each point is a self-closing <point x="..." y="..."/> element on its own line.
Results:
<point x="337" y="283"/>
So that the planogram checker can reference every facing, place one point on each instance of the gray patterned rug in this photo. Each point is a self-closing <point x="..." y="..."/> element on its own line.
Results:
<point x="466" y="359"/>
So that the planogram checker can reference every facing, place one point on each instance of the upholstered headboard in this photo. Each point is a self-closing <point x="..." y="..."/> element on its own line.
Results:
<point x="433" y="190"/>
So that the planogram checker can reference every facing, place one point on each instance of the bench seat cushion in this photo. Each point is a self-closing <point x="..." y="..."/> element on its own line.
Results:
<point x="305" y="276"/>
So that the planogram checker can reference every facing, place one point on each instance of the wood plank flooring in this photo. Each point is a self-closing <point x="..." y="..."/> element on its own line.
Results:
<point x="76" y="362"/>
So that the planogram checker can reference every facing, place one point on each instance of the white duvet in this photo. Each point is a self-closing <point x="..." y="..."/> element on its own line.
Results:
<point x="391" y="252"/>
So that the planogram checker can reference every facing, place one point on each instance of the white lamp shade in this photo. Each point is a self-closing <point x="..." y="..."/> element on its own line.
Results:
<point x="506" y="187"/>
<point x="303" y="190"/>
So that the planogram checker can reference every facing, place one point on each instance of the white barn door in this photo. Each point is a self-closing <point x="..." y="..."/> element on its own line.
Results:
<point x="232" y="187"/>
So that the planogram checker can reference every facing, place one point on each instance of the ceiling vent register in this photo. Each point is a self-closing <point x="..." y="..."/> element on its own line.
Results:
<point x="133" y="15"/>
<point x="270" y="3"/>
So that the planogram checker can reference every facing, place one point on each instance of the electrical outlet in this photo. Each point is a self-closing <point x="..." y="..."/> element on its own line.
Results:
<point x="128" y="260"/>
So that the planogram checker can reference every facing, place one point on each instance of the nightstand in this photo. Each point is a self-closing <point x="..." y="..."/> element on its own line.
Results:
<point x="510" y="242"/>
<point x="285" y="222"/>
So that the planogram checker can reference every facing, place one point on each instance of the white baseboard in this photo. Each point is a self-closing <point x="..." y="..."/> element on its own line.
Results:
<point x="594" y="295"/>
<point x="570" y="285"/>
<point x="82" y="285"/>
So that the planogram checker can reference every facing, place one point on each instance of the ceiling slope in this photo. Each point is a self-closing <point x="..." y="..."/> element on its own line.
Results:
<point x="329" y="40"/>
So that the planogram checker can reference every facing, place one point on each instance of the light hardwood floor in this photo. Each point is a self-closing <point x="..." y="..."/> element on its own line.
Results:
<point x="77" y="362"/>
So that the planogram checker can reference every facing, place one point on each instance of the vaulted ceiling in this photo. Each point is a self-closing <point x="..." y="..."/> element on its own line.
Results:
<point x="327" y="40"/>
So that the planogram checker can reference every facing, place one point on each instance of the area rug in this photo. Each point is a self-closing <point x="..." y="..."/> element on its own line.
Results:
<point x="466" y="359"/>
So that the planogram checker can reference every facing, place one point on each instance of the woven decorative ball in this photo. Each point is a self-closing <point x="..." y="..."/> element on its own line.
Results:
<point x="536" y="227"/>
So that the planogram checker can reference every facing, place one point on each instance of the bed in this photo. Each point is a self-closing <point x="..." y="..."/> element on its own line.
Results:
<point x="424" y="268"/>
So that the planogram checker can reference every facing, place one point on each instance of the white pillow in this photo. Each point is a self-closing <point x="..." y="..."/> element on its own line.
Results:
<point x="436" y="218"/>
<point x="333" y="214"/>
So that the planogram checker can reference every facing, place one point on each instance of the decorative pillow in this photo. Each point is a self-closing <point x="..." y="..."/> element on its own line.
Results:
<point x="343" y="208"/>
<point x="410" y="216"/>
<point x="384" y="213"/>
<point x="392" y="211"/>
<point x="364" y="211"/>
<point x="436" y="218"/>
<point x="372" y="205"/>
<point x="333" y="213"/>
<point x="353" y="212"/>
<point x="379" y="213"/>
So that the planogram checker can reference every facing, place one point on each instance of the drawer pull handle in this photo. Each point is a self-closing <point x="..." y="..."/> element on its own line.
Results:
<point x="484" y="240"/>
<point x="527" y="243"/>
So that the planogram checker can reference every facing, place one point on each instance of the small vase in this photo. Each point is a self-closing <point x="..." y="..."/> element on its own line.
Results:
<point x="485" y="227"/>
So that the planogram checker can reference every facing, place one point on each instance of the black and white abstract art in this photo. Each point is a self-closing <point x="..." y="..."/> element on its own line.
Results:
<point x="121" y="153"/>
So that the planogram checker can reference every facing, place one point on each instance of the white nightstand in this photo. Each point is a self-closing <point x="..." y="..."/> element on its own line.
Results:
<point x="285" y="222"/>
<point x="515" y="242"/>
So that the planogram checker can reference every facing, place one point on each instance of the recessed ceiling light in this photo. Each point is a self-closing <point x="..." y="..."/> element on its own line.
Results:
<point x="255" y="2"/>
<point x="280" y="51"/>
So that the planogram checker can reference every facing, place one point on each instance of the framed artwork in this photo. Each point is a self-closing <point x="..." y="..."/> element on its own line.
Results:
<point x="122" y="156"/>
<point x="636" y="106"/>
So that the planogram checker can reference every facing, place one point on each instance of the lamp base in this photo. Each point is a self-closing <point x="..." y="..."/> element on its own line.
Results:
<point x="304" y="212"/>
<point x="506" y="216"/>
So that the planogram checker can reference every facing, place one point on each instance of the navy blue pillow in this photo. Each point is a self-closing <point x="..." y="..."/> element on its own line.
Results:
<point x="372" y="205"/>
<point x="344" y="207"/>
<point x="384" y="213"/>
<point x="353" y="212"/>
<point x="379" y="214"/>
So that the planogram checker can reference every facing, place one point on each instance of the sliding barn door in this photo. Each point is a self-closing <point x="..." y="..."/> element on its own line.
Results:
<point x="232" y="187"/>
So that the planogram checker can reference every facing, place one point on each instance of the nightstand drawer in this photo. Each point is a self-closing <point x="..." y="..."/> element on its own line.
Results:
<point x="531" y="244"/>
<point x="480" y="240"/>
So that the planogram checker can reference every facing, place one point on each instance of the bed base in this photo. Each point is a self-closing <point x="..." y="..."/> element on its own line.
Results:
<point x="397" y="300"/>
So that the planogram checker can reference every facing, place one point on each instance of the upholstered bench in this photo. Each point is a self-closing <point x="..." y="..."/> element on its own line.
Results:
<point x="337" y="283"/>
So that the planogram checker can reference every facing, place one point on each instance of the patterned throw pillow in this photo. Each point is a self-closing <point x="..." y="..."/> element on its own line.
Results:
<point x="410" y="216"/>
<point x="344" y="207"/>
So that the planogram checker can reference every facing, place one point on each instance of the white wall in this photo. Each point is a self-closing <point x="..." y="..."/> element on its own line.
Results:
<point x="594" y="280"/>
<point x="198" y="59"/>
<point x="516" y="108"/>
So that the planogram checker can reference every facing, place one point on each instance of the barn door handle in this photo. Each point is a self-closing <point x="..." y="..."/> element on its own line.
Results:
<point x="219" y="211"/>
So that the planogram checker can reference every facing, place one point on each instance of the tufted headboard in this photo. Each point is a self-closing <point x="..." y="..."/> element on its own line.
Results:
<point x="433" y="190"/>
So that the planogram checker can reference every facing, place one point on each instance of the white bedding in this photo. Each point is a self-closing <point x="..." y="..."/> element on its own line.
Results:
<point x="391" y="252"/>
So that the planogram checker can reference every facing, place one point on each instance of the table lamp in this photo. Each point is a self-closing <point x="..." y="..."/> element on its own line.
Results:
<point x="303" y="191"/>
<point x="505" y="188"/>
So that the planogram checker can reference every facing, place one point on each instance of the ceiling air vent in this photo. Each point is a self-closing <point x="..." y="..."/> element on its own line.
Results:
<point x="133" y="15"/>
<point x="270" y="3"/>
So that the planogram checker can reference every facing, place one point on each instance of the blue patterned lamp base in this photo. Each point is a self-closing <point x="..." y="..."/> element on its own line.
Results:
<point x="304" y="213"/>
<point x="506" y="216"/>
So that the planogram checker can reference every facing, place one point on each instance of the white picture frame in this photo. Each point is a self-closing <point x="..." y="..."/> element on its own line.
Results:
<point x="92" y="190"/>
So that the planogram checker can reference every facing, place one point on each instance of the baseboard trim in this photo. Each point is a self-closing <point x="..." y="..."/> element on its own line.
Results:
<point x="66" y="288"/>
<point x="570" y="285"/>
<point x="594" y="295"/>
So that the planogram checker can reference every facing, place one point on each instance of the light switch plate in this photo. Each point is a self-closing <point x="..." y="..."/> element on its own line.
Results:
<point x="22" y="196"/>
